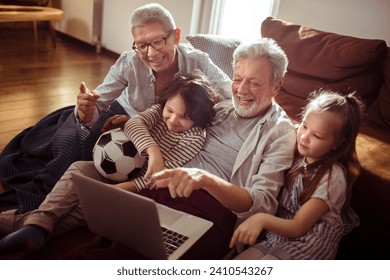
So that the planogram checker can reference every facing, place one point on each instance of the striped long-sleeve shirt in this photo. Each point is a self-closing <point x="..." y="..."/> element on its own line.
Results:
<point x="148" y="128"/>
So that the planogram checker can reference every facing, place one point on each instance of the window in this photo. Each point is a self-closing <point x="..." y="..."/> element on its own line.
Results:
<point x="240" y="18"/>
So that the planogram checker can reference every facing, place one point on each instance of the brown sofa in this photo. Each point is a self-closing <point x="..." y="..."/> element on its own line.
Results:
<point x="323" y="60"/>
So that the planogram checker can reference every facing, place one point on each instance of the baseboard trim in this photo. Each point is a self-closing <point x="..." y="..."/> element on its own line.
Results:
<point x="79" y="42"/>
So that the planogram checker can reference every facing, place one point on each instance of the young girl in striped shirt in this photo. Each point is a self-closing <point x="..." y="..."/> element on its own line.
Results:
<point x="173" y="131"/>
<point x="313" y="212"/>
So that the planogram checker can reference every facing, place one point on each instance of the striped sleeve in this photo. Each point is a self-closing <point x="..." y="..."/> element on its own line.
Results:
<point x="139" y="183"/>
<point x="186" y="148"/>
<point x="138" y="127"/>
<point x="177" y="149"/>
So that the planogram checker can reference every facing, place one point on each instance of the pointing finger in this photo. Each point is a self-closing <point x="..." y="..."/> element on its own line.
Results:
<point x="163" y="174"/>
<point x="84" y="89"/>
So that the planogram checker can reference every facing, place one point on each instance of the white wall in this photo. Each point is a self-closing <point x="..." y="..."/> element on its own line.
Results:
<point x="116" y="35"/>
<point x="359" y="18"/>
<point x="78" y="21"/>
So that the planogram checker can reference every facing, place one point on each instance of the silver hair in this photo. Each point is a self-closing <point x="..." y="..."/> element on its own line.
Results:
<point x="264" y="47"/>
<point x="150" y="13"/>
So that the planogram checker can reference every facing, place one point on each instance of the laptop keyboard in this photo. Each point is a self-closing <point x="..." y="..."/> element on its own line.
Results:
<point x="172" y="240"/>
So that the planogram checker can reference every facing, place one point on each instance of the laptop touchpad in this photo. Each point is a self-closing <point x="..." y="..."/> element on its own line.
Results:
<point x="167" y="215"/>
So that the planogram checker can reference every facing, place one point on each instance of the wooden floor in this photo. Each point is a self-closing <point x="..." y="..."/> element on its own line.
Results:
<point x="36" y="79"/>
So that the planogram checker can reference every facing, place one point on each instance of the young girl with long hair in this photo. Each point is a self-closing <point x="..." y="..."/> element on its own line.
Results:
<point x="314" y="206"/>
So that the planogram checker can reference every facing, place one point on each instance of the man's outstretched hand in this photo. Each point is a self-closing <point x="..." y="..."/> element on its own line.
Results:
<point x="181" y="182"/>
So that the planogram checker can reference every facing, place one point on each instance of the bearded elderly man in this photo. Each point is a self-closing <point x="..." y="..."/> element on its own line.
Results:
<point x="251" y="146"/>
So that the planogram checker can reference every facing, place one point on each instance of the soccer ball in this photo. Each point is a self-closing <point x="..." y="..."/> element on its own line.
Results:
<point x="115" y="156"/>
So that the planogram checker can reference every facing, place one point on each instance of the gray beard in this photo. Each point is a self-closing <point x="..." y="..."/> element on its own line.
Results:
<point x="244" y="112"/>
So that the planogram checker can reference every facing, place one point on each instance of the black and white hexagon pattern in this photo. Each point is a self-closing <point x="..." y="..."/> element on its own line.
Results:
<point x="115" y="156"/>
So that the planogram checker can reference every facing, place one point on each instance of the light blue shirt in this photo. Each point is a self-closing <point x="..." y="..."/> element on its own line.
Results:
<point x="131" y="82"/>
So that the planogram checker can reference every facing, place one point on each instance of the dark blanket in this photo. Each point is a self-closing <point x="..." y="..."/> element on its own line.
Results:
<point x="33" y="161"/>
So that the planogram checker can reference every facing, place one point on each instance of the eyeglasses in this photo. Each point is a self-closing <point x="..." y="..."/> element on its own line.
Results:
<point x="157" y="44"/>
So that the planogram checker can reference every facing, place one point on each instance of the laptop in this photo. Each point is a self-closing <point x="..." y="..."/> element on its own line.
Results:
<point x="137" y="222"/>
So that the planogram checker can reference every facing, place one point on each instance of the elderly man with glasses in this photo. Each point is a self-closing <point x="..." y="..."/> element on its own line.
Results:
<point x="137" y="78"/>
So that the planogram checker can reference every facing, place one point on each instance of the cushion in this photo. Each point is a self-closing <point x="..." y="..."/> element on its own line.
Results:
<point x="379" y="111"/>
<point x="219" y="48"/>
<point x="324" y="60"/>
